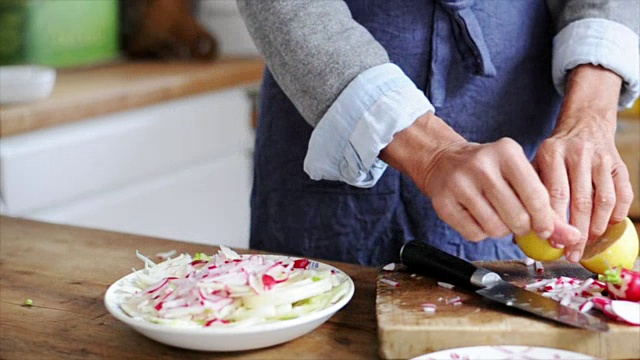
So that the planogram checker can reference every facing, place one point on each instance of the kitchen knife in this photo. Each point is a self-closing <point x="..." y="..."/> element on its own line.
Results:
<point x="428" y="260"/>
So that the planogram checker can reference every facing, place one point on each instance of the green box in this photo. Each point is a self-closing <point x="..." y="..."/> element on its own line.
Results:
<point x="59" y="33"/>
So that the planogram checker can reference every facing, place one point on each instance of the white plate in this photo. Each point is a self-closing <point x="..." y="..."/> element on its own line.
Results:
<point x="503" y="352"/>
<point x="226" y="339"/>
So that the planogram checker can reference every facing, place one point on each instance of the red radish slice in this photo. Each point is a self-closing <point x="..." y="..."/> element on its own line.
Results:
<point x="445" y="285"/>
<point x="586" y="306"/>
<point x="301" y="263"/>
<point x="429" y="308"/>
<point x="628" y="311"/>
<point x="625" y="311"/>
<point x="454" y="300"/>
<point x="390" y="282"/>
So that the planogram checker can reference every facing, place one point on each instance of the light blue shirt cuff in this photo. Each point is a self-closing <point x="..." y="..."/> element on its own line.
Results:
<point x="345" y="144"/>
<point x="599" y="42"/>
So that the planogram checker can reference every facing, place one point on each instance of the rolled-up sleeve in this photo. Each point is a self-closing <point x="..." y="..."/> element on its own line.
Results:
<point x="362" y="121"/>
<point x="601" y="33"/>
<point x="340" y="80"/>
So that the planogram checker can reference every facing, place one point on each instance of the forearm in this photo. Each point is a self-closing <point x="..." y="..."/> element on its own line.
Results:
<point x="412" y="149"/>
<point x="593" y="92"/>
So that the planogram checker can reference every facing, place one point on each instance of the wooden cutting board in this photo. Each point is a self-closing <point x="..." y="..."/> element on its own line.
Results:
<point x="406" y="331"/>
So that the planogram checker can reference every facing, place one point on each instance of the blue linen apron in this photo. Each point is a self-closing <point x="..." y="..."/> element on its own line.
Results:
<point x="486" y="67"/>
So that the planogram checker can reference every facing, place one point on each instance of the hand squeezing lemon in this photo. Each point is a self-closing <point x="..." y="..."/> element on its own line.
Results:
<point x="617" y="247"/>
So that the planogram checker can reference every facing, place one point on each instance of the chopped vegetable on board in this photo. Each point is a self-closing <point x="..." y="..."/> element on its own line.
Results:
<point x="390" y="282"/>
<point x="445" y="285"/>
<point x="389" y="267"/>
<point x="584" y="295"/>
<point x="539" y="267"/>
<point x="429" y="308"/>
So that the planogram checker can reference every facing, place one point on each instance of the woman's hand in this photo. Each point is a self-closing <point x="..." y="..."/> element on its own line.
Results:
<point x="580" y="165"/>
<point x="481" y="190"/>
<point x="485" y="190"/>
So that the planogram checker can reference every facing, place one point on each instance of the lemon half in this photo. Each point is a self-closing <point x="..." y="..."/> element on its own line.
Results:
<point x="538" y="248"/>
<point x="618" y="246"/>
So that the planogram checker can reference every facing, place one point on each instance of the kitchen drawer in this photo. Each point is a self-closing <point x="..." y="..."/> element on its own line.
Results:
<point x="51" y="166"/>
<point x="207" y="203"/>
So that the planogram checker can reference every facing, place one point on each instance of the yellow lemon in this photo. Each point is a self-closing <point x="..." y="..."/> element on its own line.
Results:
<point x="538" y="248"/>
<point x="618" y="246"/>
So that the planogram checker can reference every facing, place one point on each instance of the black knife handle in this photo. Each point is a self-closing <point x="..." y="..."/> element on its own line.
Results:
<point x="428" y="260"/>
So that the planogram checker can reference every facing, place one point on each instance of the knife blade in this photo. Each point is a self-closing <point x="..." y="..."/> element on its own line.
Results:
<point x="431" y="261"/>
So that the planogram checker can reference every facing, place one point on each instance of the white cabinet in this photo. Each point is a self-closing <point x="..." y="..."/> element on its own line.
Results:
<point x="179" y="169"/>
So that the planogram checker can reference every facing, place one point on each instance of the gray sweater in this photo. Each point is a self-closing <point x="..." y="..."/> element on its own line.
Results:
<point x="314" y="48"/>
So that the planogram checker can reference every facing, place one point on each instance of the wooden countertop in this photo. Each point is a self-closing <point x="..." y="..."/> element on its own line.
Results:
<point x="66" y="270"/>
<point x="83" y="93"/>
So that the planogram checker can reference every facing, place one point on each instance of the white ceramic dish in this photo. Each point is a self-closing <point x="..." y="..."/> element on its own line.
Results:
<point x="23" y="83"/>
<point x="226" y="339"/>
<point x="507" y="352"/>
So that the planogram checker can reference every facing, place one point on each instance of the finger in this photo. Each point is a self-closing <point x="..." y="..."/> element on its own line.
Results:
<point x="481" y="210"/>
<point x="581" y="205"/>
<point x="554" y="177"/>
<point x="508" y="206"/>
<point x="604" y="199"/>
<point x="624" y="193"/>
<point x="454" y="214"/>
<point x="564" y="234"/>
<point x="533" y="195"/>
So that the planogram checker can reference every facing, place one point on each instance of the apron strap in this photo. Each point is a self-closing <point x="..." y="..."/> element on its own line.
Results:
<point x="469" y="38"/>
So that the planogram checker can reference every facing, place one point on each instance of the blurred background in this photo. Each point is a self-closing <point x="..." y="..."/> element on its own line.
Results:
<point x="135" y="116"/>
<point x="138" y="116"/>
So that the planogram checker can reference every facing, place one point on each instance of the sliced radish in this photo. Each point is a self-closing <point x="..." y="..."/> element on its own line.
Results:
<point x="445" y="285"/>
<point x="621" y="310"/>
<point x="215" y="290"/>
<point x="301" y="264"/>
<point x="429" y="308"/>
<point x="628" y="311"/>
<point x="390" y="282"/>
<point x="389" y="267"/>
<point x="586" y="306"/>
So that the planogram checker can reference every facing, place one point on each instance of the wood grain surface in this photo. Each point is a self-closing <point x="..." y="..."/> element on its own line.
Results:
<point x="405" y="330"/>
<point x="66" y="271"/>
<point x="84" y="93"/>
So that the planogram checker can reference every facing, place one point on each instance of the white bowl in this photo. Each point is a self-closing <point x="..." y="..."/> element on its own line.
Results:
<point x="225" y="339"/>
<point x="23" y="83"/>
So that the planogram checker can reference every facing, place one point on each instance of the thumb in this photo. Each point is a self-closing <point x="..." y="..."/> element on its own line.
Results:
<point x="564" y="234"/>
